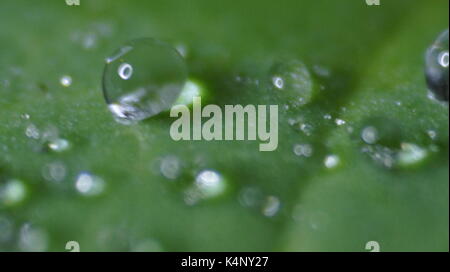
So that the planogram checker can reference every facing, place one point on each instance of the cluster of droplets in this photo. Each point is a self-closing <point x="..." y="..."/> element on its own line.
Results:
<point x="383" y="144"/>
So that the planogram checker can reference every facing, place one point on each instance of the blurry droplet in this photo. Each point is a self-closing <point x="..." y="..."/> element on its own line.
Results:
<point x="32" y="132"/>
<point x="369" y="135"/>
<point x="89" y="185"/>
<point x="170" y="167"/>
<point x="59" y="145"/>
<point x="210" y="183"/>
<point x="331" y="161"/>
<point x="65" y="81"/>
<point x="305" y="150"/>
<point x="339" y="122"/>
<point x="410" y="155"/>
<point x="271" y="206"/>
<point x="250" y="197"/>
<point x="436" y="69"/>
<point x="55" y="171"/>
<point x="12" y="192"/>
<point x="32" y="239"/>
<point x="143" y="78"/>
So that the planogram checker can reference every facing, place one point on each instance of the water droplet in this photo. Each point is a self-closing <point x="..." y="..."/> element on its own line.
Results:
<point x="59" y="145"/>
<point x="55" y="171"/>
<point x="25" y="116"/>
<point x="305" y="150"/>
<point x="143" y="78"/>
<point x="293" y="81"/>
<point x="89" y="185"/>
<point x="432" y="134"/>
<point x="340" y="122"/>
<point x="327" y="117"/>
<point x="278" y="82"/>
<point x="307" y="129"/>
<point x="32" y="239"/>
<point x="250" y="197"/>
<point x="65" y="81"/>
<point x="271" y="206"/>
<point x="12" y="192"/>
<point x="32" y="132"/>
<point x="331" y="161"/>
<point x="170" y="167"/>
<point x="410" y="155"/>
<point x="210" y="183"/>
<point x="369" y="135"/>
<point x="436" y="69"/>
<point x="381" y="155"/>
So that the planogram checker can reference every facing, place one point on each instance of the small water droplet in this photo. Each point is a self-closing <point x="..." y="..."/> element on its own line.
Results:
<point x="436" y="69"/>
<point x="12" y="192"/>
<point x="305" y="150"/>
<point x="294" y="82"/>
<point x="410" y="155"/>
<point x="143" y="78"/>
<point x="210" y="183"/>
<point x="89" y="185"/>
<point x="327" y="117"/>
<point x="307" y="129"/>
<point x="250" y="197"/>
<point x="271" y="206"/>
<point x="432" y="134"/>
<point x="369" y="135"/>
<point x="32" y="239"/>
<point x="278" y="82"/>
<point x="340" y="122"/>
<point x="170" y="167"/>
<point x="65" y="81"/>
<point x="59" y="145"/>
<point x="331" y="161"/>
<point x="55" y="171"/>
<point x="32" y="132"/>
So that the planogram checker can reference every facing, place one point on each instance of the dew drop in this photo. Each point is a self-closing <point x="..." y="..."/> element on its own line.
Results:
<point x="55" y="172"/>
<point x="278" y="82"/>
<point x="369" y="135"/>
<point x="331" y="161"/>
<point x="294" y="82"/>
<point x="59" y="145"/>
<point x="12" y="192"/>
<point x="305" y="150"/>
<point x="32" y="132"/>
<point x="89" y="185"/>
<point x="65" y="81"/>
<point x="340" y="122"/>
<point x="32" y="239"/>
<point x="410" y="155"/>
<point x="170" y="167"/>
<point x="210" y="183"/>
<point x="436" y="67"/>
<point x="143" y="78"/>
<point x="271" y="206"/>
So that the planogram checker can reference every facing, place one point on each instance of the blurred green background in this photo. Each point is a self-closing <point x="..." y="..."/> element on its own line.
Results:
<point x="366" y="63"/>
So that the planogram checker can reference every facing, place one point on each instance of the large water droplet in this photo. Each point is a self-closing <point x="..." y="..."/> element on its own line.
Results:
<point x="32" y="238"/>
<point x="436" y="69"/>
<point x="143" y="78"/>
<point x="293" y="82"/>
